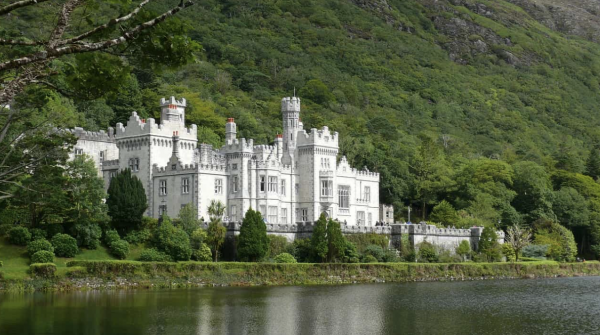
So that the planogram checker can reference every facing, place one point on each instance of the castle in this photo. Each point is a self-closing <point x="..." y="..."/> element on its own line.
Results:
<point x="292" y="181"/>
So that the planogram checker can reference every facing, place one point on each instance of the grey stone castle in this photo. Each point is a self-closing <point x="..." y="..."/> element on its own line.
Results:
<point x="294" y="180"/>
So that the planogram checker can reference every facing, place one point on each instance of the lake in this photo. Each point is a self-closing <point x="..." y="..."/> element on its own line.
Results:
<point x="545" y="306"/>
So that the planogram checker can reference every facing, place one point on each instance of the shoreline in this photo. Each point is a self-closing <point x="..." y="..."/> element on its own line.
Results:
<point x="124" y="275"/>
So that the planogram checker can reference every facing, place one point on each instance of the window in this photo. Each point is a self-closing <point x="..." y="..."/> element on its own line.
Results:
<point x="234" y="184"/>
<point x="218" y="186"/>
<point x="136" y="164"/>
<point x="101" y="154"/>
<point x="262" y="183"/>
<point x="360" y="217"/>
<point x="162" y="189"/>
<point x="234" y="166"/>
<point x="78" y="152"/>
<point x="370" y="220"/>
<point x="111" y="175"/>
<point x="297" y="188"/>
<point x="263" y="211"/>
<point x="387" y="214"/>
<point x="367" y="193"/>
<point x="183" y="206"/>
<point x="273" y="184"/>
<point x="326" y="188"/>
<point x="304" y="214"/>
<point x="344" y="196"/>
<point x="233" y="213"/>
<point x="185" y="185"/>
<point x="282" y="191"/>
<point x="297" y="215"/>
<point x="174" y="167"/>
<point x="272" y="214"/>
<point x="131" y="164"/>
<point x="283" y="216"/>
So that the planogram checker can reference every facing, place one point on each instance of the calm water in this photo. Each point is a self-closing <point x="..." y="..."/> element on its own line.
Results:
<point x="553" y="306"/>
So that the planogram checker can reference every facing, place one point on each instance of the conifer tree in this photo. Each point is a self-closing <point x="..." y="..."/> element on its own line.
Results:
<point x="253" y="241"/>
<point x="318" y="240"/>
<point x="336" y="242"/>
<point x="592" y="165"/>
<point x="126" y="201"/>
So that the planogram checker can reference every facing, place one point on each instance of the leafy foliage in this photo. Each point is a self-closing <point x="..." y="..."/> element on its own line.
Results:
<point x="173" y="241"/>
<point x="126" y="201"/>
<point x="39" y="245"/>
<point x="19" y="236"/>
<point x="119" y="249"/>
<point x="285" y="258"/>
<point x="154" y="255"/>
<point x="64" y="245"/>
<point x="42" y="256"/>
<point x="253" y="242"/>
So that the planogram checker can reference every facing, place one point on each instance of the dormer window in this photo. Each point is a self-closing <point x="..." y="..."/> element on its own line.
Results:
<point x="174" y="167"/>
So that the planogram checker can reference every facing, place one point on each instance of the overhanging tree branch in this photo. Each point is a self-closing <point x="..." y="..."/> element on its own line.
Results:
<point x="19" y="4"/>
<point x="53" y="53"/>
<point x="109" y="24"/>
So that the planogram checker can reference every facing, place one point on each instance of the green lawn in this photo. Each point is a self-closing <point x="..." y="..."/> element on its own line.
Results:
<point x="16" y="261"/>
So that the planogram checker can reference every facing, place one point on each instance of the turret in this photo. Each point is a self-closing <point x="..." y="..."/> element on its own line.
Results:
<point x="172" y="110"/>
<point x="290" y="109"/>
<point x="230" y="131"/>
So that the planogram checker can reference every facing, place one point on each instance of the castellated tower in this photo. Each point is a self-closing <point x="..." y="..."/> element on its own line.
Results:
<point x="172" y="110"/>
<point x="290" y="110"/>
<point x="144" y="143"/>
<point x="230" y="131"/>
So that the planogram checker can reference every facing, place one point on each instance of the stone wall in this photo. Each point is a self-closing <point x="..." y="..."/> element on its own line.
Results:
<point x="444" y="238"/>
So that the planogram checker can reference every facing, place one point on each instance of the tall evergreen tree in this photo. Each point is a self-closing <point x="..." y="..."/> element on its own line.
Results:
<point x="592" y="165"/>
<point x="126" y="201"/>
<point x="318" y="240"/>
<point x="253" y="241"/>
<point x="336" y="242"/>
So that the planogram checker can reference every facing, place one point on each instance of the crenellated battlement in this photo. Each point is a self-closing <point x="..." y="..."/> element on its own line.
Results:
<point x="168" y="170"/>
<point x="239" y="145"/>
<point x="137" y="126"/>
<point x="98" y="136"/>
<point x="290" y="104"/>
<point x="344" y="169"/>
<point x="320" y="137"/>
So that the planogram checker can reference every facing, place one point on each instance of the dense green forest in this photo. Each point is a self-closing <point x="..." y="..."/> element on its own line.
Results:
<point x="473" y="112"/>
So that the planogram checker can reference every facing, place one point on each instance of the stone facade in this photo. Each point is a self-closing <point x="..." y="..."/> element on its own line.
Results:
<point x="292" y="181"/>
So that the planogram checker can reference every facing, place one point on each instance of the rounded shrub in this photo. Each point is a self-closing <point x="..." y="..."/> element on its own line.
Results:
<point x="285" y="258"/>
<point x="173" y="241"/>
<point x="87" y="235"/>
<point x="39" y="245"/>
<point x="375" y="251"/>
<point x="427" y="252"/>
<point x="64" y="245"/>
<point x="203" y="254"/>
<point x="42" y="256"/>
<point x="153" y="255"/>
<point x="369" y="259"/>
<point x="136" y="237"/>
<point x="37" y="234"/>
<point x="111" y="236"/>
<point x="119" y="249"/>
<point x="19" y="236"/>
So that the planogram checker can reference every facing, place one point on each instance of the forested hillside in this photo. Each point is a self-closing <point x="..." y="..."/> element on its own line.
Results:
<point x="489" y="105"/>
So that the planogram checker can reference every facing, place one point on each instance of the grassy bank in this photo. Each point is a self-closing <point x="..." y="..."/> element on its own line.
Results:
<point x="97" y="269"/>
<point x="82" y="275"/>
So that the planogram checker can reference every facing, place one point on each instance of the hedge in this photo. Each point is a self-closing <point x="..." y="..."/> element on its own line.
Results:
<point x="43" y="270"/>
<point x="42" y="256"/>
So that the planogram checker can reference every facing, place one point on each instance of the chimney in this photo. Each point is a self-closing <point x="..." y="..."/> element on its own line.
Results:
<point x="230" y="131"/>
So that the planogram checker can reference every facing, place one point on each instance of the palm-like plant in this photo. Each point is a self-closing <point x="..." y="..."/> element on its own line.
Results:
<point x="215" y="232"/>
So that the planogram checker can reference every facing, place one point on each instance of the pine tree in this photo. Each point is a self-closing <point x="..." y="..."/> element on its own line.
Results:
<point x="336" y="242"/>
<point x="253" y="241"/>
<point x="592" y="165"/>
<point x="318" y="240"/>
<point x="126" y="201"/>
